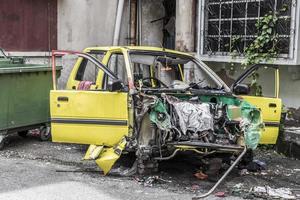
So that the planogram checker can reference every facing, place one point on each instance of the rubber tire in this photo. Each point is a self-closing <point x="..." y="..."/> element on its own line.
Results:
<point x="23" y="134"/>
<point x="45" y="134"/>
<point x="2" y="143"/>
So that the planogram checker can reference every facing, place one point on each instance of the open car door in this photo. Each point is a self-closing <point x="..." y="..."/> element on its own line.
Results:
<point x="86" y="114"/>
<point x="259" y="85"/>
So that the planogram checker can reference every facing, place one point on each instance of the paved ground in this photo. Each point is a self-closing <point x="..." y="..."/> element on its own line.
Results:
<point x="31" y="169"/>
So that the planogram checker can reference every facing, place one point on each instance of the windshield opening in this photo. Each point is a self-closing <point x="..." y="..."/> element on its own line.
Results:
<point x="169" y="71"/>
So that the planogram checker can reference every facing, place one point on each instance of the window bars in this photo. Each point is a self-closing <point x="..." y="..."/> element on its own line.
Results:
<point x="229" y="25"/>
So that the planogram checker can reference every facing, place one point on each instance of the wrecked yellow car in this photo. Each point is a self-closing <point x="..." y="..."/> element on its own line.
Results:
<point x="150" y="101"/>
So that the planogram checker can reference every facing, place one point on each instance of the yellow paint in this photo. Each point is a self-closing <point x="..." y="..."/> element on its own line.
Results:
<point x="88" y="105"/>
<point x="269" y="114"/>
<point x="109" y="156"/>
<point x="181" y="72"/>
<point x="269" y="135"/>
<point x="72" y="83"/>
<point x="93" y="152"/>
<point x="129" y="48"/>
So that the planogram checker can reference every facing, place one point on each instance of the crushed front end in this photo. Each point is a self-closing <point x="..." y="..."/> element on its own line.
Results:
<point x="169" y="122"/>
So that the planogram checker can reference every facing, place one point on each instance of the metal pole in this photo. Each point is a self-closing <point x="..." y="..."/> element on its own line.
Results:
<point x="133" y="22"/>
<point x="118" y="22"/>
<point x="223" y="177"/>
<point x="139" y="11"/>
<point x="199" y="28"/>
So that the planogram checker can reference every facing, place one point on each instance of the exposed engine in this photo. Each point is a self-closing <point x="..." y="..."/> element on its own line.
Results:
<point x="169" y="119"/>
<point x="165" y="123"/>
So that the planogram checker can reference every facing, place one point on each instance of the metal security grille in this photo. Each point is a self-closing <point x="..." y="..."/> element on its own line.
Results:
<point x="229" y="25"/>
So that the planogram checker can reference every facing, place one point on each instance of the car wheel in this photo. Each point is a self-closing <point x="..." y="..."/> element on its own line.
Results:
<point x="45" y="134"/>
<point x="2" y="142"/>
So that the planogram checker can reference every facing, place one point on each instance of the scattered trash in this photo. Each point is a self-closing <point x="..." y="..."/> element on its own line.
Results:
<point x="261" y="164"/>
<point x="239" y="190"/>
<point x="267" y="191"/>
<point x="149" y="181"/>
<point x="263" y="173"/>
<point x="195" y="187"/>
<point x="220" y="194"/>
<point x="244" y="172"/>
<point x="254" y="166"/>
<point x="238" y="186"/>
<point x="200" y="175"/>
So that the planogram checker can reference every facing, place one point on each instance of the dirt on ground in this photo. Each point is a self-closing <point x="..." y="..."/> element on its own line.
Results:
<point x="28" y="163"/>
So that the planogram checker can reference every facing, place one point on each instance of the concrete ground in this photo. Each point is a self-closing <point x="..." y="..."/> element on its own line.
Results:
<point x="31" y="169"/>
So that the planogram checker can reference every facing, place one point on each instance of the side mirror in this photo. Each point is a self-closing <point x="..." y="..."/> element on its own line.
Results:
<point x="241" y="89"/>
<point x="115" y="85"/>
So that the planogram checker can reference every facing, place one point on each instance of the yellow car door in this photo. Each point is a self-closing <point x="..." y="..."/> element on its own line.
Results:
<point x="263" y="84"/>
<point x="89" y="115"/>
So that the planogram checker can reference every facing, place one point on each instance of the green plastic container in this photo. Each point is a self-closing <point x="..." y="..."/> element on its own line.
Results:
<point x="24" y="96"/>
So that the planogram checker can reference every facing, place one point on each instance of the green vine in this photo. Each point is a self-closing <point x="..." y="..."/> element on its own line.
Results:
<point x="263" y="48"/>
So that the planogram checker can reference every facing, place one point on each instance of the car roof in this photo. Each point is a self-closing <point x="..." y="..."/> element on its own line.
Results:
<point x="155" y="49"/>
<point x="136" y="48"/>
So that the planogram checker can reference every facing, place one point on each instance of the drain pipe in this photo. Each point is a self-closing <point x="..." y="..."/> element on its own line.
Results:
<point x="118" y="22"/>
<point x="199" y="27"/>
<point x="139" y="26"/>
<point x="133" y="24"/>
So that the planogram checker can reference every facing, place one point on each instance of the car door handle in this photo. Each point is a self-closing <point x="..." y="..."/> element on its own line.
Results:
<point x="66" y="99"/>
<point x="272" y="105"/>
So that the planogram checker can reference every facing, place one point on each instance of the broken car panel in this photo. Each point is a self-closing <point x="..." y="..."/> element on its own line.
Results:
<point x="266" y="99"/>
<point x="151" y="101"/>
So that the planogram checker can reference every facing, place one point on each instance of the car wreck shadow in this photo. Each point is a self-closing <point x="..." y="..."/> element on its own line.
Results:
<point x="176" y="174"/>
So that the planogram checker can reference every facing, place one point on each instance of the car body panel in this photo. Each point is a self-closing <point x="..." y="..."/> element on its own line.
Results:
<point x="89" y="117"/>
<point x="270" y="107"/>
<point x="270" y="115"/>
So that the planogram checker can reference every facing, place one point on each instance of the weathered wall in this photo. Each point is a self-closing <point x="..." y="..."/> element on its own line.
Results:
<point x="86" y="23"/>
<point x="185" y="25"/>
<point x="83" y="23"/>
<point x="152" y="33"/>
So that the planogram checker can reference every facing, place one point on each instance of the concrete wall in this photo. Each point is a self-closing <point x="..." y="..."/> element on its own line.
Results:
<point x="83" y="23"/>
<point x="86" y="23"/>
<point x="152" y="33"/>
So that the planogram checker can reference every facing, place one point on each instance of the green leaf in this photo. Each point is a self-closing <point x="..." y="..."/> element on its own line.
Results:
<point x="269" y="30"/>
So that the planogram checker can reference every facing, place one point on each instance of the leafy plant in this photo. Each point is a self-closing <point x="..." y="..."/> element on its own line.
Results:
<point x="263" y="48"/>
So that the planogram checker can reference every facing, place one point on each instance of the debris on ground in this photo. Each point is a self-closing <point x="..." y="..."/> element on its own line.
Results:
<point x="151" y="180"/>
<point x="264" y="192"/>
<point x="244" y="172"/>
<point x="220" y="194"/>
<point x="240" y="190"/>
<point x="253" y="166"/>
<point x="195" y="187"/>
<point x="267" y="191"/>
<point x="200" y="175"/>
